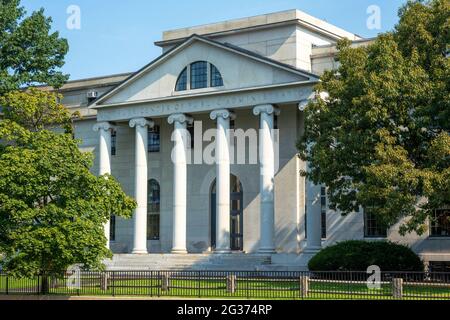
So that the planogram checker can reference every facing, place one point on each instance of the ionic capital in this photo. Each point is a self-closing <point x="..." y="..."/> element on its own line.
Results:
<point x="222" y="113"/>
<point x="267" y="109"/>
<point x="104" y="126"/>
<point x="141" y="122"/>
<point x="179" y="118"/>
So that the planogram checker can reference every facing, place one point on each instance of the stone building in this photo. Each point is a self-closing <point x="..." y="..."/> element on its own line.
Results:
<point x="254" y="73"/>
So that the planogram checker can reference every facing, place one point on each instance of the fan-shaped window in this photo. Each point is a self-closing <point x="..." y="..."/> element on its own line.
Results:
<point x="153" y="210"/>
<point x="216" y="77"/>
<point x="198" y="75"/>
<point x="182" y="81"/>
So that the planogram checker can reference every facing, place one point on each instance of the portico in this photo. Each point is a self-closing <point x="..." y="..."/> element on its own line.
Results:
<point x="264" y="102"/>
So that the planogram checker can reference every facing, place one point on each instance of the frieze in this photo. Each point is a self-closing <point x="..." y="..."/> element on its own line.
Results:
<point x="233" y="100"/>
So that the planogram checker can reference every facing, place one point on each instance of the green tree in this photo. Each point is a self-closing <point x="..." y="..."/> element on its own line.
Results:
<point x="381" y="137"/>
<point x="30" y="53"/>
<point x="52" y="208"/>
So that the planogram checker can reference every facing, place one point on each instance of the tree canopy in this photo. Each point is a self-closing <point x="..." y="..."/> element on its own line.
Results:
<point x="30" y="53"/>
<point x="52" y="208"/>
<point x="380" y="138"/>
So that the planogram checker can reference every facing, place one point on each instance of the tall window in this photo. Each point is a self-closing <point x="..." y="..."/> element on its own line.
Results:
<point x="113" y="142"/>
<point x="182" y="81"/>
<point x="197" y="75"/>
<point x="440" y="223"/>
<point x="323" y="211"/>
<point x="216" y="77"/>
<point x="372" y="227"/>
<point x="112" y="228"/>
<point x="154" y="139"/>
<point x="190" y="129"/>
<point x="153" y="210"/>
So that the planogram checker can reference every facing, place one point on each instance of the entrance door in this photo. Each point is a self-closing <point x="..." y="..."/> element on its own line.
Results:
<point x="236" y="214"/>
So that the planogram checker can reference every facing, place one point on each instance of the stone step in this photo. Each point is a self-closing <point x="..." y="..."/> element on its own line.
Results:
<point x="224" y="262"/>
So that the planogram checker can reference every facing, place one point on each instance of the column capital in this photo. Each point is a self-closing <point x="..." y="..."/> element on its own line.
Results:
<point x="180" y="118"/>
<point x="222" y="113"/>
<point x="266" y="108"/>
<point x="304" y="103"/>
<point x="141" y="122"/>
<point x="105" y="126"/>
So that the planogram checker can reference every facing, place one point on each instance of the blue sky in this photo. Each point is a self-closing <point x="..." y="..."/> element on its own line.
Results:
<point x="118" y="36"/>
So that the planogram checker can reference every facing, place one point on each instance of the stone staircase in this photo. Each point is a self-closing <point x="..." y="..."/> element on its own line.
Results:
<point x="219" y="262"/>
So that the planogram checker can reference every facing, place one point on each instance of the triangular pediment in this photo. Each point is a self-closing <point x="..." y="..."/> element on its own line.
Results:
<point x="240" y="69"/>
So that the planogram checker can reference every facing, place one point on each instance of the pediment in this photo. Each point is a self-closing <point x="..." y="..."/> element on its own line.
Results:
<point x="239" y="68"/>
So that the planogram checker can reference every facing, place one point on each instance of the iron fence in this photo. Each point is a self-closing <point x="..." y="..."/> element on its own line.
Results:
<point x="240" y="284"/>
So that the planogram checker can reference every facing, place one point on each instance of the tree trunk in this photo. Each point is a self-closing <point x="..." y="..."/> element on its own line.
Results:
<point x="44" y="284"/>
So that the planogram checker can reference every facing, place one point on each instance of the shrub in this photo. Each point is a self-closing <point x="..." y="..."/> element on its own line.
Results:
<point x="356" y="255"/>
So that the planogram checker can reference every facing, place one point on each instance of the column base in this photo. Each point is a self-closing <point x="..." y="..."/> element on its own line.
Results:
<point x="312" y="250"/>
<point x="222" y="251"/>
<point x="179" y="251"/>
<point x="139" y="251"/>
<point x="266" y="250"/>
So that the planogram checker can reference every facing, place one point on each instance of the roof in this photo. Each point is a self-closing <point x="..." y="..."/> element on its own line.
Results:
<point x="96" y="82"/>
<point x="258" y="22"/>
<point x="188" y="41"/>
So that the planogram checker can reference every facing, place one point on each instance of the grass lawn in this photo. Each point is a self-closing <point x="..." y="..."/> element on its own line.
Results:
<point x="217" y="288"/>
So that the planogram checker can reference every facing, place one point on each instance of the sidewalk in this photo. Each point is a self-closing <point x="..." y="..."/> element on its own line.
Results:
<point x="107" y="298"/>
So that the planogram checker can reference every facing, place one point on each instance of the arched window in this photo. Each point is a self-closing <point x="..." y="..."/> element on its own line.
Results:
<point x="153" y="209"/>
<point x="198" y="75"/>
<point x="182" y="81"/>
<point x="216" y="77"/>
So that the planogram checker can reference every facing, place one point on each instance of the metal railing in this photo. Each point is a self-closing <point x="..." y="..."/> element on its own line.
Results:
<point x="239" y="284"/>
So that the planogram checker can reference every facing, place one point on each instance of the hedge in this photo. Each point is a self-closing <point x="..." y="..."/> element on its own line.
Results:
<point x="356" y="255"/>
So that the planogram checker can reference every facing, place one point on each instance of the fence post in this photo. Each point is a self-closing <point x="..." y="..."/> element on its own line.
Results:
<point x="397" y="288"/>
<point x="113" y="283"/>
<point x="104" y="281"/>
<point x="231" y="283"/>
<point x="165" y="282"/>
<point x="304" y="285"/>
<point x="7" y="285"/>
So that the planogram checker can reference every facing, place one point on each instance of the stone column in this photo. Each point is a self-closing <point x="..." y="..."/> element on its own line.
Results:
<point x="222" y="151"/>
<point x="313" y="206"/>
<point x="140" y="184"/>
<point x="313" y="218"/>
<point x="104" y="128"/>
<point x="179" y="151"/>
<point x="267" y="176"/>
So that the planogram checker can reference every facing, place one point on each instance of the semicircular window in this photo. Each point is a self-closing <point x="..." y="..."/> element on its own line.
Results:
<point x="182" y="81"/>
<point x="198" y="75"/>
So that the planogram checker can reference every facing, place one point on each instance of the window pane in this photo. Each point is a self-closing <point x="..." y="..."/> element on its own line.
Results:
<point x="216" y="77"/>
<point x="182" y="81"/>
<point x="190" y="129"/>
<point x="113" y="142"/>
<point x="153" y="227"/>
<point x="112" y="228"/>
<point x="323" y="207"/>
<point x="373" y="228"/>
<point x="153" y="210"/>
<point x="199" y="74"/>
<point x="440" y="223"/>
<point x="154" y="139"/>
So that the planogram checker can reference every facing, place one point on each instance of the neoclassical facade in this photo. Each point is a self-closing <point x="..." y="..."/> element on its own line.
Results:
<point x="151" y="133"/>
